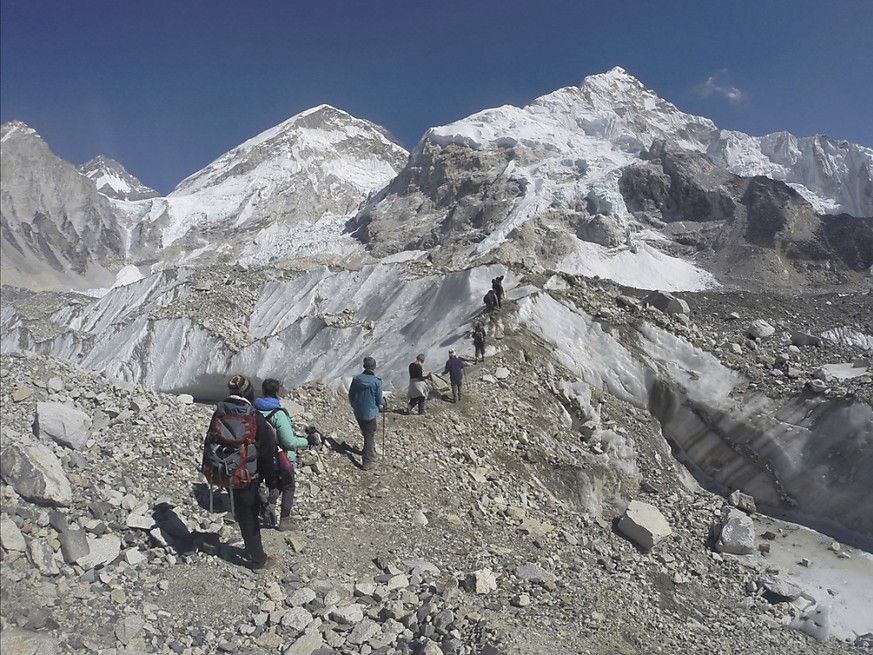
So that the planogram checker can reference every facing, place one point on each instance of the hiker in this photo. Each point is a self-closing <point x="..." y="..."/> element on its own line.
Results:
<point x="287" y="443"/>
<point x="417" y="392"/>
<point x="365" y="396"/>
<point x="479" y="340"/>
<point x="491" y="300"/>
<point x="237" y="410"/>
<point x="497" y="286"/>
<point x="455" y="369"/>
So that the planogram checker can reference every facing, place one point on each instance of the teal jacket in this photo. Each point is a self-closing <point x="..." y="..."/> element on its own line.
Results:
<point x="285" y="437"/>
<point x="365" y="396"/>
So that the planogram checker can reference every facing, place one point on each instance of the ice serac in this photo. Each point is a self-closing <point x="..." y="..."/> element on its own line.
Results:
<point x="58" y="232"/>
<point x="285" y="192"/>
<point x="113" y="180"/>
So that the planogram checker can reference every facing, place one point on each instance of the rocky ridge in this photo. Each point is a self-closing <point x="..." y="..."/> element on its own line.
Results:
<point x="490" y="526"/>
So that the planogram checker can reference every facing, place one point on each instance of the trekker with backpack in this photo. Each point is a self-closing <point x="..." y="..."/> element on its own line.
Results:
<point x="417" y="392"/>
<point x="239" y="451"/>
<point x="497" y="286"/>
<point x="479" y="340"/>
<point x="491" y="301"/>
<point x="455" y="369"/>
<point x="288" y="443"/>
<point x="365" y="396"/>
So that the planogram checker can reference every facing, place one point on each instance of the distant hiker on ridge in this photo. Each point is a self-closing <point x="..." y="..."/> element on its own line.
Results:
<point x="497" y="286"/>
<point x="455" y="369"/>
<point x="417" y="392"/>
<point x="479" y="340"/>
<point x="288" y="444"/>
<point x="365" y="396"/>
<point x="491" y="301"/>
<point x="238" y="431"/>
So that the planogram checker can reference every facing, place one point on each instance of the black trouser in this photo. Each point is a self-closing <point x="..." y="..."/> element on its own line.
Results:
<point x="480" y="350"/>
<point x="247" y="505"/>
<point x="456" y="388"/>
<point x="288" y="489"/>
<point x="368" y="429"/>
<point x="417" y="402"/>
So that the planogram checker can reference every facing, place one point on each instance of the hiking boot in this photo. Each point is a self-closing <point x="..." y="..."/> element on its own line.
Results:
<point x="366" y="466"/>
<point x="286" y="524"/>
<point x="268" y="563"/>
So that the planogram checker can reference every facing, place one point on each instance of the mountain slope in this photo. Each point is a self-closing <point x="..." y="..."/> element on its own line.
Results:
<point x="287" y="190"/>
<point x="57" y="230"/>
<point x="542" y="183"/>
<point x="113" y="180"/>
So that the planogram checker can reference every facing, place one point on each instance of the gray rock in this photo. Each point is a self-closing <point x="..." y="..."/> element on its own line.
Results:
<point x="742" y="501"/>
<point x="21" y="394"/>
<point x="363" y="632"/>
<point x="102" y="551"/>
<point x="305" y="644"/>
<point x="11" y="538"/>
<point x="35" y="473"/>
<point x="803" y="339"/>
<point x="18" y="641"/>
<point x="482" y="581"/>
<point x="129" y="628"/>
<point x="74" y="545"/>
<point x="760" y="329"/>
<point x="533" y="572"/>
<point x="42" y="556"/>
<point x="62" y="424"/>
<point x="348" y="614"/>
<point x="736" y="533"/>
<point x="667" y="303"/>
<point x="644" y="524"/>
<point x="297" y="618"/>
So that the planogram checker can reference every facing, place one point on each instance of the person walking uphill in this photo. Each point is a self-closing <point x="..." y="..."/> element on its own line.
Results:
<point x="417" y="392"/>
<point x="235" y="421"/>
<point x="497" y="286"/>
<point x="288" y="443"/>
<point x="455" y="369"/>
<point x="365" y="396"/>
<point x="479" y="340"/>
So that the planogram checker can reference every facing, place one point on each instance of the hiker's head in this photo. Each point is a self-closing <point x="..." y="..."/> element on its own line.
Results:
<point x="369" y="364"/>
<point x="420" y="357"/>
<point x="239" y="385"/>
<point x="451" y="353"/>
<point x="270" y="388"/>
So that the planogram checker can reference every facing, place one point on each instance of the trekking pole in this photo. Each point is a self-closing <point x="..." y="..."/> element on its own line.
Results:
<point x="384" y="454"/>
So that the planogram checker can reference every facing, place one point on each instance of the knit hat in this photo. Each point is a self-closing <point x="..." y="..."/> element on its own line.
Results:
<point x="420" y="357"/>
<point x="369" y="364"/>
<point x="451" y="351"/>
<point x="239" y="385"/>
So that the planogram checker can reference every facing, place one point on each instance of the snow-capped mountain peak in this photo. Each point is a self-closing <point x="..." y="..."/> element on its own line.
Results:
<point x="113" y="180"/>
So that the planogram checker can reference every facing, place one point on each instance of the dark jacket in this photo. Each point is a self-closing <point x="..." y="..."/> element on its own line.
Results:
<point x="455" y="368"/>
<point x="264" y="439"/>
<point x="365" y="395"/>
<point x="416" y="372"/>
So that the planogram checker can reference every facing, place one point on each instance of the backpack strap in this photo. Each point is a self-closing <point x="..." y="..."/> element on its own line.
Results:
<point x="278" y="409"/>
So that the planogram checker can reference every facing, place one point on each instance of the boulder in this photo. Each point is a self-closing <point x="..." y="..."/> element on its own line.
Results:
<point x="62" y="424"/>
<point x="742" y="501"/>
<point x="667" y="303"/>
<point x="11" y="538"/>
<point x="804" y="339"/>
<point x="35" y="473"/>
<point x="18" y="641"/>
<point x="644" y="524"/>
<point x="736" y="533"/>
<point x="760" y="329"/>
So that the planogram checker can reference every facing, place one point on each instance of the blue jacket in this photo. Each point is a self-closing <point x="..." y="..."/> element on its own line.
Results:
<point x="455" y="368"/>
<point x="365" y="395"/>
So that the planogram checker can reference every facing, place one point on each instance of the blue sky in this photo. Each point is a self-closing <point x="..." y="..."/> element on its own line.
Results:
<point x="165" y="87"/>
